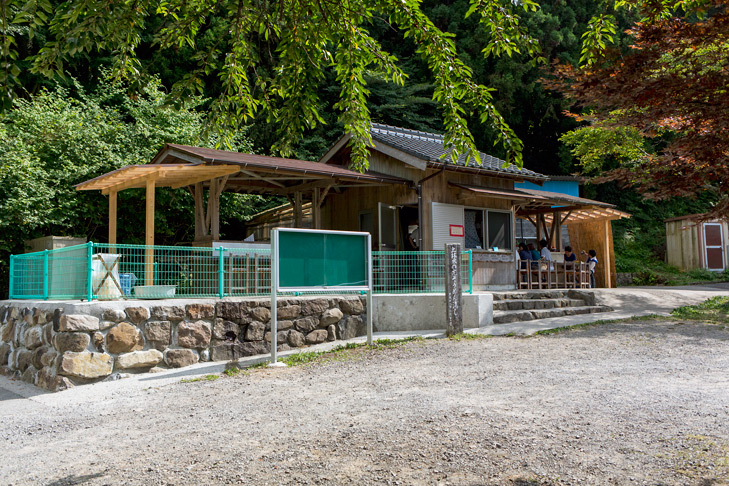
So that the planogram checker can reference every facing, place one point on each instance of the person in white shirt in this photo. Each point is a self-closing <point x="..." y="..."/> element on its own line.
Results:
<point x="544" y="251"/>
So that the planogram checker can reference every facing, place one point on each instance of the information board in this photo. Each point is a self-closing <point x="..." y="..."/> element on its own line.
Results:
<point x="313" y="259"/>
<point x="304" y="260"/>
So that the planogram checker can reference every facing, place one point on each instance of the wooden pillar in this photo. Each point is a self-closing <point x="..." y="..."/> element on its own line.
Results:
<point x="540" y="218"/>
<point x="316" y="208"/>
<point x="214" y="196"/>
<point x="608" y="251"/>
<point x="149" y="235"/>
<point x="557" y="230"/>
<point x="112" y="217"/>
<point x="298" y="213"/>
<point x="201" y="229"/>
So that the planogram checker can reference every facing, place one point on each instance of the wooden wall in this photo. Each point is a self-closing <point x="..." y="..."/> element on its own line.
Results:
<point x="596" y="235"/>
<point x="437" y="189"/>
<point x="682" y="244"/>
<point x="685" y="244"/>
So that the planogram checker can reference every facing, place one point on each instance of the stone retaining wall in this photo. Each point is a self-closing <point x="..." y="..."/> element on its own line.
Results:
<point x="56" y="349"/>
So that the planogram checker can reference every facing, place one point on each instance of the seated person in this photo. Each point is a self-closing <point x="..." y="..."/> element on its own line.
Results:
<point x="535" y="254"/>
<point x="544" y="251"/>
<point x="568" y="255"/>
<point x="524" y="255"/>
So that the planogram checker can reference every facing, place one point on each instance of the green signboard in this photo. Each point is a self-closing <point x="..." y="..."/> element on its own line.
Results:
<point x="309" y="259"/>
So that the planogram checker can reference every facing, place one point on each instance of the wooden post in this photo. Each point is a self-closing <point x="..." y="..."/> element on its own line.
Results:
<point x="454" y="308"/>
<point x="298" y="212"/>
<point x="608" y="266"/>
<point x="112" y="218"/>
<point x="214" y="196"/>
<point x="201" y="229"/>
<point x="149" y="235"/>
<point x="539" y="228"/>
<point x="316" y="209"/>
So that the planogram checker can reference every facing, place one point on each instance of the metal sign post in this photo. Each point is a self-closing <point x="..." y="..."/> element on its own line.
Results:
<point x="317" y="261"/>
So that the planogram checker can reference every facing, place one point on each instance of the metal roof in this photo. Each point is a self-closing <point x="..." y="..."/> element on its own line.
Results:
<point x="171" y="153"/>
<point x="430" y="147"/>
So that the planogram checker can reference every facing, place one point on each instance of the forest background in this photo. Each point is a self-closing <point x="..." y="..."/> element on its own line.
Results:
<point x="60" y="132"/>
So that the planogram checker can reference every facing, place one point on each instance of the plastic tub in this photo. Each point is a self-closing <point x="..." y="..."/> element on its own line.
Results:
<point x="154" y="291"/>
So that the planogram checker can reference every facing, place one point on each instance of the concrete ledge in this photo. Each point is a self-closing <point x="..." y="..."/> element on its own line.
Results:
<point x="398" y="312"/>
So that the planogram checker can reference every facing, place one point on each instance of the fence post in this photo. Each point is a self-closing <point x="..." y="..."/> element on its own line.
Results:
<point x="454" y="310"/>
<point x="89" y="271"/>
<point x="45" y="274"/>
<point x="221" y="280"/>
<point x="12" y="277"/>
<point x="470" y="271"/>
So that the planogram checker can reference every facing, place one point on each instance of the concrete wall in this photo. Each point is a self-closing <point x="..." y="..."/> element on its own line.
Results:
<point x="394" y="312"/>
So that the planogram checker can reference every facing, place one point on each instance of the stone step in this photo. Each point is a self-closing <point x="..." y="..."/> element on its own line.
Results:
<point x="503" y="317"/>
<point x="531" y="304"/>
<point x="530" y="294"/>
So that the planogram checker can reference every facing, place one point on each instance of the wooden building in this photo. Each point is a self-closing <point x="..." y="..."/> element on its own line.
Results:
<point x="693" y="242"/>
<point x="411" y="184"/>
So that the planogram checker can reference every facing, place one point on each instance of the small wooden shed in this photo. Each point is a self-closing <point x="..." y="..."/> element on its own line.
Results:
<point x="694" y="242"/>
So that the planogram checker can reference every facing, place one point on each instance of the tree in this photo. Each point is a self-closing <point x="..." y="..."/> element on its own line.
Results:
<point x="658" y="110"/>
<point x="59" y="138"/>
<point x="269" y="57"/>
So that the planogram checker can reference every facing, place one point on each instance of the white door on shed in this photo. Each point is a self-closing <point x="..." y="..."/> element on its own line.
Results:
<point x="447" y="225"/>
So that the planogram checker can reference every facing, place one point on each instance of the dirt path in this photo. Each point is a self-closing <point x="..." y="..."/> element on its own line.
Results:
<point x="645" y="402"/>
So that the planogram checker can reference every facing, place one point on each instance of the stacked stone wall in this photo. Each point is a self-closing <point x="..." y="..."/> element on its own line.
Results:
<point x="55" y="350"/>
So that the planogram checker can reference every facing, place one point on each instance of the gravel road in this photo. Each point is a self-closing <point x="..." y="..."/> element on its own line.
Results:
<point x="640" y="402"/>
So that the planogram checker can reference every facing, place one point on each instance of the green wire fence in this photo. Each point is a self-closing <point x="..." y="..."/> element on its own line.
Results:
<point x="116" y="271"/>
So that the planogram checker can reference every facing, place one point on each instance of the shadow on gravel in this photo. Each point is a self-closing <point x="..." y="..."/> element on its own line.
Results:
<point x="73" y="480"/>
<point x="690" y="329"/>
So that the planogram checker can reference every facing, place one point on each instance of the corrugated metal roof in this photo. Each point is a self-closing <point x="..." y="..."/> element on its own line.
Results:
<point x="430" y="148"/>
<point x="214" y="156"/>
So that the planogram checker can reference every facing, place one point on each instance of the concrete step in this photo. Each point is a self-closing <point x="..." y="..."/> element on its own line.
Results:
<point x="530" y="294"/>
<point x="503" y="317"/>
<point x="531" y="304"/>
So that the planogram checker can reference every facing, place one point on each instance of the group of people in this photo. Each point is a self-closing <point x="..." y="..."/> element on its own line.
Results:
<point x="529" y="252"/>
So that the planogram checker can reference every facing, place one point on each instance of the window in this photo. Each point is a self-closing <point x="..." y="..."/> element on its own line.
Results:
<point x="496" y="233"/>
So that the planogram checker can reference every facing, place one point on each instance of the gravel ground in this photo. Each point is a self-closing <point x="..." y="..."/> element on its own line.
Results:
<point x="641" y="402"/>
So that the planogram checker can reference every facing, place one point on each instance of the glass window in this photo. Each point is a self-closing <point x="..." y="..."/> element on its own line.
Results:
<point x="499" y="230"/>
<point x="473" y="225"/>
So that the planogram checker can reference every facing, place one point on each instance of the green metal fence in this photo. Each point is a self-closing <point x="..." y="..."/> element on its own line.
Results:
<point x="117" y="271"/>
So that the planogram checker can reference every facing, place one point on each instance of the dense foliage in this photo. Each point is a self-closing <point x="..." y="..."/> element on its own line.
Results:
<point x="270" y="57"/>
<point x="59" y="138"/>
<point x="658" y="110"/>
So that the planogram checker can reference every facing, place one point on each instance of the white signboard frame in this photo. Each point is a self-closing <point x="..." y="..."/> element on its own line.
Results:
<point x="276" y="288"/>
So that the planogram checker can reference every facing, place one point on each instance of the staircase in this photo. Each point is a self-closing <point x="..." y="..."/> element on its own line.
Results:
<point x="543" y="304"/>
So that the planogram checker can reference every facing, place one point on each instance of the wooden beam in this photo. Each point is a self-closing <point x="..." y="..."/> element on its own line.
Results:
<point x="149" y="235"/>
<point x="112" y="217"/>
<point x="136" y="182"/>
<point x="323" y="195"/>
<point x="546" y="210"/>
<point x="261" y="178"/>
<point x="217" y="172"/>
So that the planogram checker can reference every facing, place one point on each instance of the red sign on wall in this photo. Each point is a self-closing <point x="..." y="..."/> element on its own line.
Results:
<point x="457" y="230"/>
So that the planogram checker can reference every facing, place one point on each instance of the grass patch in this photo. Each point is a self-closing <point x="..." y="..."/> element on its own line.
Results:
<point x="463" y="336"/>
<point x="716" y="309"/>
<point x="344" y="352"/>
<point x="201" y="378"/>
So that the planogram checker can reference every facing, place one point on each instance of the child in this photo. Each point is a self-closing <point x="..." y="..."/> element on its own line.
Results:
<point x="591" y="265"/>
